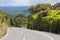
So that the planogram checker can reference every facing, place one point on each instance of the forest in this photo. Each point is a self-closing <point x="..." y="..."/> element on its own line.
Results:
<point x="43" y="17"/>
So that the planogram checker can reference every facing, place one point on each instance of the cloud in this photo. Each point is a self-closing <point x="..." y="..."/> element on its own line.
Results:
<point x="44" y="1"/>
<point x="14" y="2"/>
<point x="25" y="2"/>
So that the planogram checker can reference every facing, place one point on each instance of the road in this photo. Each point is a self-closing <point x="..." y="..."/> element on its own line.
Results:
<point x="26" y="34"/>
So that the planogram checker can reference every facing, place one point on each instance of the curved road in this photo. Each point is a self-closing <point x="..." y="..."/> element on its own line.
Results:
<point x="26" y="34"/>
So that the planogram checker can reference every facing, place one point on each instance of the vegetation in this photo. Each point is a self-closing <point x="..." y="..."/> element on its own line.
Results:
<point x="4" y="18"/>
<point x="44" y="17"/>
<point x="56" y="6"/>
<point x="50" y="23"/>
<point x="19" y="21"/>
<point x="45" y="20"/>
<point x="37" y="8"/>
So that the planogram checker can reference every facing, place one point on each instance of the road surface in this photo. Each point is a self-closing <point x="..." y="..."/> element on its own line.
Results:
<point x="26" y="34"/>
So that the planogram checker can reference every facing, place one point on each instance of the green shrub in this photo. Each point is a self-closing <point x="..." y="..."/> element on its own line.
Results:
<point x="50" y="23"/>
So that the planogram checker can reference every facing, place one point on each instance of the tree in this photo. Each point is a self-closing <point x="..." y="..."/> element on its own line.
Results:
<point x="39" y="7"/>
<point x="32" y="9"/>
<point x="49" y="22"/>
<point x="19" y="20"/>
<point x="4" y="18"/>
<point x="56" y="6"/>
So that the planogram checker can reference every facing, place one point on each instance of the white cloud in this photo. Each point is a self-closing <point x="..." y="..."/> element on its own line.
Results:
<point x="14" y="2"/>
<point x="25" y="2"/>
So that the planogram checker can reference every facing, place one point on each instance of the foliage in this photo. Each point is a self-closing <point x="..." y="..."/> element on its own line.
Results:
<point x="4" y="18"/>
<point x="50" y="23"/>
<point x="37" y="8"/>
<point x="35" y="16"/>
<point x="19" y="21"/>
<point x="56" y="6"/>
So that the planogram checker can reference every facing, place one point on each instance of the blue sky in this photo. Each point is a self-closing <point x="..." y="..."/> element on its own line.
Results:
<point x="25" y="2"/>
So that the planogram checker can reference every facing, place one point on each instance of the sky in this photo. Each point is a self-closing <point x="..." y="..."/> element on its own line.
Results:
<point x="25" y="2"/>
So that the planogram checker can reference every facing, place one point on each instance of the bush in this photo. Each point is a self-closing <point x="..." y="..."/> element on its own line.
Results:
<point x="50" y="22"/>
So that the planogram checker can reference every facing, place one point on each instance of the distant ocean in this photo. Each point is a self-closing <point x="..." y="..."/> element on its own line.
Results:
<point x="14" y="11"/>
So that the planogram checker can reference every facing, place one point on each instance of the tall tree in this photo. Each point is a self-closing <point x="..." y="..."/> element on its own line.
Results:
<point x="39" y="7"/>
<point x="56" y="6"/>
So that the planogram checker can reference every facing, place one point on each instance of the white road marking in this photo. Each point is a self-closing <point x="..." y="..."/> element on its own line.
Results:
<point x="25" y="35"/>
<point x="24" y="39"/>
<point x="46" y="35"/>
<point x="5" y="35"/>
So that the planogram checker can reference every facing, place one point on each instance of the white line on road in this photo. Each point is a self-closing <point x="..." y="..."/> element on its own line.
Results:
<point x="24" y="38"/>
<point x="46" y="35"/>
<point x="32" y="31"/>
<point x="5" y="35"/>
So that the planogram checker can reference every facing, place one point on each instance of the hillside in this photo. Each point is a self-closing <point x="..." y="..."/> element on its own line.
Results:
<point x="50" y="22"/>
<point x="14" y="11"/>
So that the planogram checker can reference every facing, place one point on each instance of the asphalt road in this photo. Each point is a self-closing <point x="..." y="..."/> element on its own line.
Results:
<point x="26" y="34"/>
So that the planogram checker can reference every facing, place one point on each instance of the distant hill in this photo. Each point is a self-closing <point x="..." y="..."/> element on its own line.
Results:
<point x="14" y="11"/>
